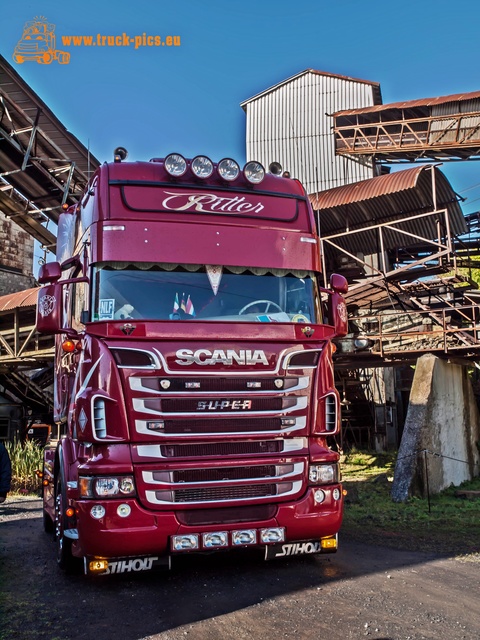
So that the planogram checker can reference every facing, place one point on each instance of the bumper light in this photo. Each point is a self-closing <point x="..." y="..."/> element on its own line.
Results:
<point x="97" y="511"/>
<point x="273" y="535"/>
<point x="124" y="510"/>
<point x="185" y="543"/>
<point x="215" y="539"/>
<point x="246" y="536"/>
<point x="94" y="566"/>
<point x="336" y="494"/>
<point x="319" y="496"/>
<point x="329" y="543"/>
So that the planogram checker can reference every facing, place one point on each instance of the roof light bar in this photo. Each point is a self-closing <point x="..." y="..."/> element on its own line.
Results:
<point x="202" y="167"/>
<point x="175" y="165"/>
<point x="228" y="169"/>
<point x="254" y="172"/>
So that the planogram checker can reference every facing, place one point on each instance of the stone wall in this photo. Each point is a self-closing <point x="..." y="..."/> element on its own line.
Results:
<point x="440" y="442"/>
<point x="16" y="258"/>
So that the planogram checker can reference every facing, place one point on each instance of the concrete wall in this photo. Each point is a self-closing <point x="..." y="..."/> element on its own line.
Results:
<point x="442" y="431"/>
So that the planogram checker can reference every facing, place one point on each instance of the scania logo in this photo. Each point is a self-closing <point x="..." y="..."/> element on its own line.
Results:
<point x="219" y="356"/>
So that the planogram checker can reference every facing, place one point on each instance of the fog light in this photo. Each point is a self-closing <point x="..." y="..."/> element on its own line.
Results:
<point x="215" y="539"/>
<point x="276" y="534"/>
<point x="318" y="496"/>
<point x="97" y="511"/>
<point x="336" y="494"/>
<point x="329" y="543"/>
<point x="97" y="565"/>
<point x="124" y="510"/>
<point x="185" y="543"/>
<point x="246" y="536"/>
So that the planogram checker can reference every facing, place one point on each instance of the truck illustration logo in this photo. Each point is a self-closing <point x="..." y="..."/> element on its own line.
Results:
<point x="38" y="44"/>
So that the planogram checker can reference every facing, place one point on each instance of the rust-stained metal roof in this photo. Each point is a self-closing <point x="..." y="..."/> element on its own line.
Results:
<point x="386" y="199"/>
<point x="377" y="96"/>
<point x="27" y="298"/>
<point x="412" y="104"/>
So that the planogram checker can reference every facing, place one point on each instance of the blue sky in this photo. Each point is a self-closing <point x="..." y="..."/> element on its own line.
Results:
<point x="155" y="100"/>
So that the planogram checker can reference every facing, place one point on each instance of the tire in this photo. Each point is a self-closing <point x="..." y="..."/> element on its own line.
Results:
<point x="48" y="525"/>
<point x="65" y="560"/>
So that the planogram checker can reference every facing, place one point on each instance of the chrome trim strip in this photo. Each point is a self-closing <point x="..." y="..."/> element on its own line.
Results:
<point x="136" y="385"/>
<point x="141" y="427"/>
<point x="236" y="372"/>
<point x="296" y="487"/>
<point x="290" y="445"/>
<point x="139" y="408"/>
<point x="298" y="468"/>
<point x="153" y="367"/>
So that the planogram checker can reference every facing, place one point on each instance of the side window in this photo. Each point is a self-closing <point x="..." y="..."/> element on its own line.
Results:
<point x="79" y="304"/>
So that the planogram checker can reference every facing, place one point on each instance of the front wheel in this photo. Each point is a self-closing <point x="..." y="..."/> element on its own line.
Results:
<point x="65" y="559"/>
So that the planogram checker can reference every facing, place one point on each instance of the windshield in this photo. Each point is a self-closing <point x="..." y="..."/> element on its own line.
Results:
<point x="123" y="291"/>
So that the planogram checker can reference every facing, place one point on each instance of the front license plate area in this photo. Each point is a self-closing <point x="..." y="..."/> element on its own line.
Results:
<point x="300" y="548"/>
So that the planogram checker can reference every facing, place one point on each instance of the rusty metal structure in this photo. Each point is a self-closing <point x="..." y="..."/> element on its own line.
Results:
<point x="431" y="129"/>
<point x="42" y="167"/>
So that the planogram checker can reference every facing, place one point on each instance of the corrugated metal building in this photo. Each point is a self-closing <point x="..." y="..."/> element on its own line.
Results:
<point x="291" y="123"/>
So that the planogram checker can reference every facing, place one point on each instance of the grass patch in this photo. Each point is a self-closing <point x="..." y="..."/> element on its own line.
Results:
<point x="450" y="527"/>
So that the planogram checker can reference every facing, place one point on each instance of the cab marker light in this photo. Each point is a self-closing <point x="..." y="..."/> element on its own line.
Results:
<point x="68" y="346"/>
<point x="69" y="512"/>
<point x="114" y="227"/>
<point x="309" y="240"/>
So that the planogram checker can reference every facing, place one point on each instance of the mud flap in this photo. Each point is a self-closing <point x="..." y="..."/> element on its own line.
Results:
<point x="299" y="548"/>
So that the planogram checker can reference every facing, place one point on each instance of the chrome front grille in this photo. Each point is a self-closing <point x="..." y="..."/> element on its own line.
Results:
<point x="190" y="407"/>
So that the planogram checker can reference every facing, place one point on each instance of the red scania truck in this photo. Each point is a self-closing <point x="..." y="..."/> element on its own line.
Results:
<point x="194" y="382"/>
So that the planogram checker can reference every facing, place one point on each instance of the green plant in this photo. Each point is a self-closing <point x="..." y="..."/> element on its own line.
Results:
<point x="26" y="459"/>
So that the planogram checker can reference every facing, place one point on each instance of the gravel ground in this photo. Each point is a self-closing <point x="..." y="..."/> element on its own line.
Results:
<point x="362" y="591"/>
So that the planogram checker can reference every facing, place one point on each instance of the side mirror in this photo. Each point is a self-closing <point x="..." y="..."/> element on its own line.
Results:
<point x="337" y="311"/>
<point x="49" y="272"/>
<point x="49" y="309"/>
<point x="338" y="283"/>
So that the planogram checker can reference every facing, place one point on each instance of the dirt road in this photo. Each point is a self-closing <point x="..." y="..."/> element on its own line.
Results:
<point x="362" y="591"/>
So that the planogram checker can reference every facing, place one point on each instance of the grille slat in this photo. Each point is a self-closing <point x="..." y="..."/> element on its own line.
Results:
<point x="220" y="449"/>
<point x="225" y="493"/>
<point x="222" y="426"/>
<point x="223" y="473"/>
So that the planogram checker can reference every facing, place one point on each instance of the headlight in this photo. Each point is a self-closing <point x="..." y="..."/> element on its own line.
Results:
<point x="254" y="172"/>
<point x="228" y="169"/>
<point x="202" y="167"/>
<point x="175" y="165"/>
<point x="323" y="473"/>
<point x="106" y="487"/>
